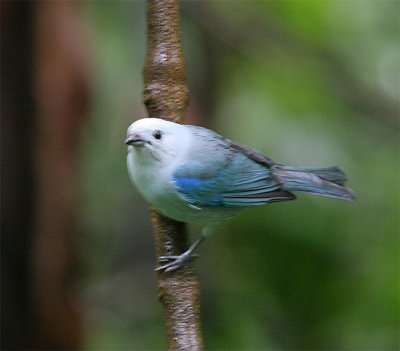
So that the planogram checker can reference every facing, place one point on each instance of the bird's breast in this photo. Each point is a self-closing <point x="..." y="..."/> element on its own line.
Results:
<point x="151" y="179"/>
<point x="156" y="185"/>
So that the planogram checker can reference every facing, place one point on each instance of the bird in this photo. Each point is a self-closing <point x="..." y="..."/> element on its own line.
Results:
<point x="194" y="175"/>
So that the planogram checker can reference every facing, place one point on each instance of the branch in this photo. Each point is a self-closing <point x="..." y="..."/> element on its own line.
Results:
<point x="166" y="95"/>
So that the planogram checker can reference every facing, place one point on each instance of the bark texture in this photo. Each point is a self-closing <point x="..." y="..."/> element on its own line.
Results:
<point x="166" y="96"/>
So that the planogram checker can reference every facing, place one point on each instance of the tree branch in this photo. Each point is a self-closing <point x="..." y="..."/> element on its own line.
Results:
<point x="166" y="95"/>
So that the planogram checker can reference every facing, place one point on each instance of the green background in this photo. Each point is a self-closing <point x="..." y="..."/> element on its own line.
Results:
<point x="309" y="83"/>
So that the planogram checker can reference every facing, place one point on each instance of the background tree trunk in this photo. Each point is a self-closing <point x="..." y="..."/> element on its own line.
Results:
<point x="44" y="97"/>
<point x="17" y="191"/>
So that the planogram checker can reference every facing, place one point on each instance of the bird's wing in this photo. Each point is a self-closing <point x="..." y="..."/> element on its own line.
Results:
<point x="219" y="174"/>
<point x="252" y="184"/>
<point x="251" y="153"/>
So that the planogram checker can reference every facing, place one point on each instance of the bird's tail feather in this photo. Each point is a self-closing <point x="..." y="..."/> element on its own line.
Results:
<point x="320" y="181"/>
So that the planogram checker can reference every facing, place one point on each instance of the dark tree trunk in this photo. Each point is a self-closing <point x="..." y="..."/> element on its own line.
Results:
<point x="44" y="97"/>
<point x="17" y="191"/>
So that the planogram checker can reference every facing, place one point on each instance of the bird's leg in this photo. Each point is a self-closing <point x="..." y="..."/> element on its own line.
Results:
<point x="176" y="262"/>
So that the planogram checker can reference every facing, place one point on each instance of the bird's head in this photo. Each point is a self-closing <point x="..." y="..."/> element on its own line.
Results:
<point x="156" y="138"/>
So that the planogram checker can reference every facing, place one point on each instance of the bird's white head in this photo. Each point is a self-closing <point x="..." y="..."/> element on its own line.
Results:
<point x="156" y="139"/>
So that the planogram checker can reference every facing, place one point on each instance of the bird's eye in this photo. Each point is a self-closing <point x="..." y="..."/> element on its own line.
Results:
<point x="157" y="135"/>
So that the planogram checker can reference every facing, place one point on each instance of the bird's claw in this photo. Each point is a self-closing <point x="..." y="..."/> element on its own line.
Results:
<point x="174" y="262"/>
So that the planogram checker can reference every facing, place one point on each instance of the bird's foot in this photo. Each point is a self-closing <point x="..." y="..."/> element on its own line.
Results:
<point x="175" y="262"/>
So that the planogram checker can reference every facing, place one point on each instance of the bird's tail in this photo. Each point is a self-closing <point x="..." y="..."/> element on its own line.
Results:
<point x="320" y="181"/>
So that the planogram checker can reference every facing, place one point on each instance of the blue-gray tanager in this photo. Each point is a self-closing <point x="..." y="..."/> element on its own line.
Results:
<point x="191" y="174"/>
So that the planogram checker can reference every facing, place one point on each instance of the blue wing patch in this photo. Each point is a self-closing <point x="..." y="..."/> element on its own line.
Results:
<point x="198" y="192"/>
<point x="239" y="183"/>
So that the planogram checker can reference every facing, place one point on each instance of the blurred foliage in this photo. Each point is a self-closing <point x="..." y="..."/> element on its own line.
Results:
<point x="308" y="82"/>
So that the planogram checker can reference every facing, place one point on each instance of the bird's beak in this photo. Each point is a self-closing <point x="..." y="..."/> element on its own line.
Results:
<point x="135" y="140"/>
